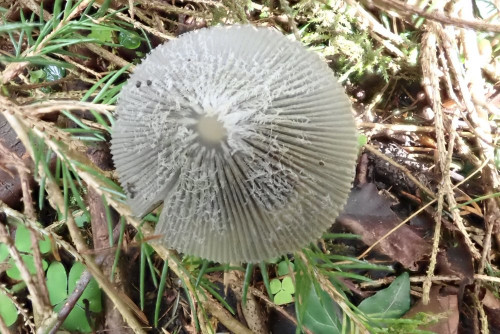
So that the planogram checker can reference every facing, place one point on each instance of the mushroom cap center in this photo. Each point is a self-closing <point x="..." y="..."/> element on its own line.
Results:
<point x="211" y="130"/>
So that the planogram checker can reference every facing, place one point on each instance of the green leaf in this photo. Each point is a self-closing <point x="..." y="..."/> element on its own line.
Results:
<point x="23" y="241"/>
<point x="129" y="39"/>
<point x="316" y="310"/>
<point x="103" y="35"/>
<point x="57" y="283"/>
<point x="275" y="285"/>
<point x="37" y="76"/>
<point x="53" y="72"/>
<point x="391" y="302"/>
<point x="4" y="252"/>
<point x="14" y="273"/>
<point x="322" y="314"/>
<point x="81" y="219"/>
<point x="92" y="292"/>
<point x="60" y="286"/>
<point x="287" y="285"/>
<point x="44" y="245"/>
<point x="362" y="140"/>
<point x="76" y="320"/>
<point x="8" y="310"/>
<point x="283" y="297"/>
<point x="283" y="268"/>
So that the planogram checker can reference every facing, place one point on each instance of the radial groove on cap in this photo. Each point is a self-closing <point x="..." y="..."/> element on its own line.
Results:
<point x="246" y="138"/>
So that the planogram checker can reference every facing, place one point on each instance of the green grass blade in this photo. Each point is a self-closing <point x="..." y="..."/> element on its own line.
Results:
<point x="54" y="48"/>
<point x="98" y="175"/>
<point x="104" y="8"/>
<point x="75" y="119"/>
<point x="67" y="9"/>
<point x="246" y="283"/>
<point x="35" y="60"/>
<point x="159" y="295"/>
<point x="335" y="274"/>
<point x="10" y="27"/>
<point x="108" y="220"/>
<point x="478" y="199"/>
<point x="202" y="272"/>
<point x="151" y="268"/>
<point x="192" y="306"/>
<point x="87" y="9"/>
<point x="92" y="89"/>
<point x="55" y="12"/>
<point x="41" y="194"/>
<point x="65" y="189"/>
<point x="142" y="274"/>
<point x="328" y="236"/>
<point x="76" y="194"/>
<point x="118" y="247"/>
<point x="217" y="296"/>
<point x="265" y="278"/>
<point x="115" y="76"/>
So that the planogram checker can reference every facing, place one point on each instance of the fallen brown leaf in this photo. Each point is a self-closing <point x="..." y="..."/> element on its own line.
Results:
<point x="491" y="305"/>
<point x="369" y="214"/>
<point x="456" y="260"/>
<point x="10" y="183"/>
<point x="446" y="305"/>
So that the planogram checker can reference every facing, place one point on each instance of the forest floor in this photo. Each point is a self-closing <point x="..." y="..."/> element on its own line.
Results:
<point x="415" y="250"/>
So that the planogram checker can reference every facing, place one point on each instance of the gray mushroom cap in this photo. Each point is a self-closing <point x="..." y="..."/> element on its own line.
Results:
<point x="245" y="136"/>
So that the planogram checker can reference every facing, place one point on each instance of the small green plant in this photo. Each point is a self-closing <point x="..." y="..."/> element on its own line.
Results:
<point x="282" y="290"/>
<point x="23" y="245"/>
<point x="284" y="267"/>
<point x="8" y="311"/>
<point x="129" y="39"/>
<point x="22" y="241"/>
<point x="322" y="314"/>
<point x="391" y="302"/>
<point x="47" y="74"/>
<point x="101" y="34"/>
<point x="60" y="285"/>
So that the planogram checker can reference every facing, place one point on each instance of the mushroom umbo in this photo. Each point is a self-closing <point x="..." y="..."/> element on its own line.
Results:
<point x="245" y="136"/>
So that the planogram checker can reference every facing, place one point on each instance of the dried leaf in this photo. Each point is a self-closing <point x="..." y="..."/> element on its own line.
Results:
<point x="491" y="305"/>
<point x="447" y="306"/>
<point x="456" y="260"/>
<point x="369" y="214"/>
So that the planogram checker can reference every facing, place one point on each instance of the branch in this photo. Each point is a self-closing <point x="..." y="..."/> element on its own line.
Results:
<point x="436" y="16"/>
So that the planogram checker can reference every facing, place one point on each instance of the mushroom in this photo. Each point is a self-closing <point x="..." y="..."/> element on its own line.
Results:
<point x="245" y="136"/>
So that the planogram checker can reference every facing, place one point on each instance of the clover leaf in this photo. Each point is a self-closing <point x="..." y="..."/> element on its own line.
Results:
<point x="23" y="241"/>
<point x="13" y="271"/>
<point x="282" y="290"/>
<point x="8" y="311"/>
<point x="23" y="244"/>
<point x="60" y="285"/>
<point x="284" y="268"/>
